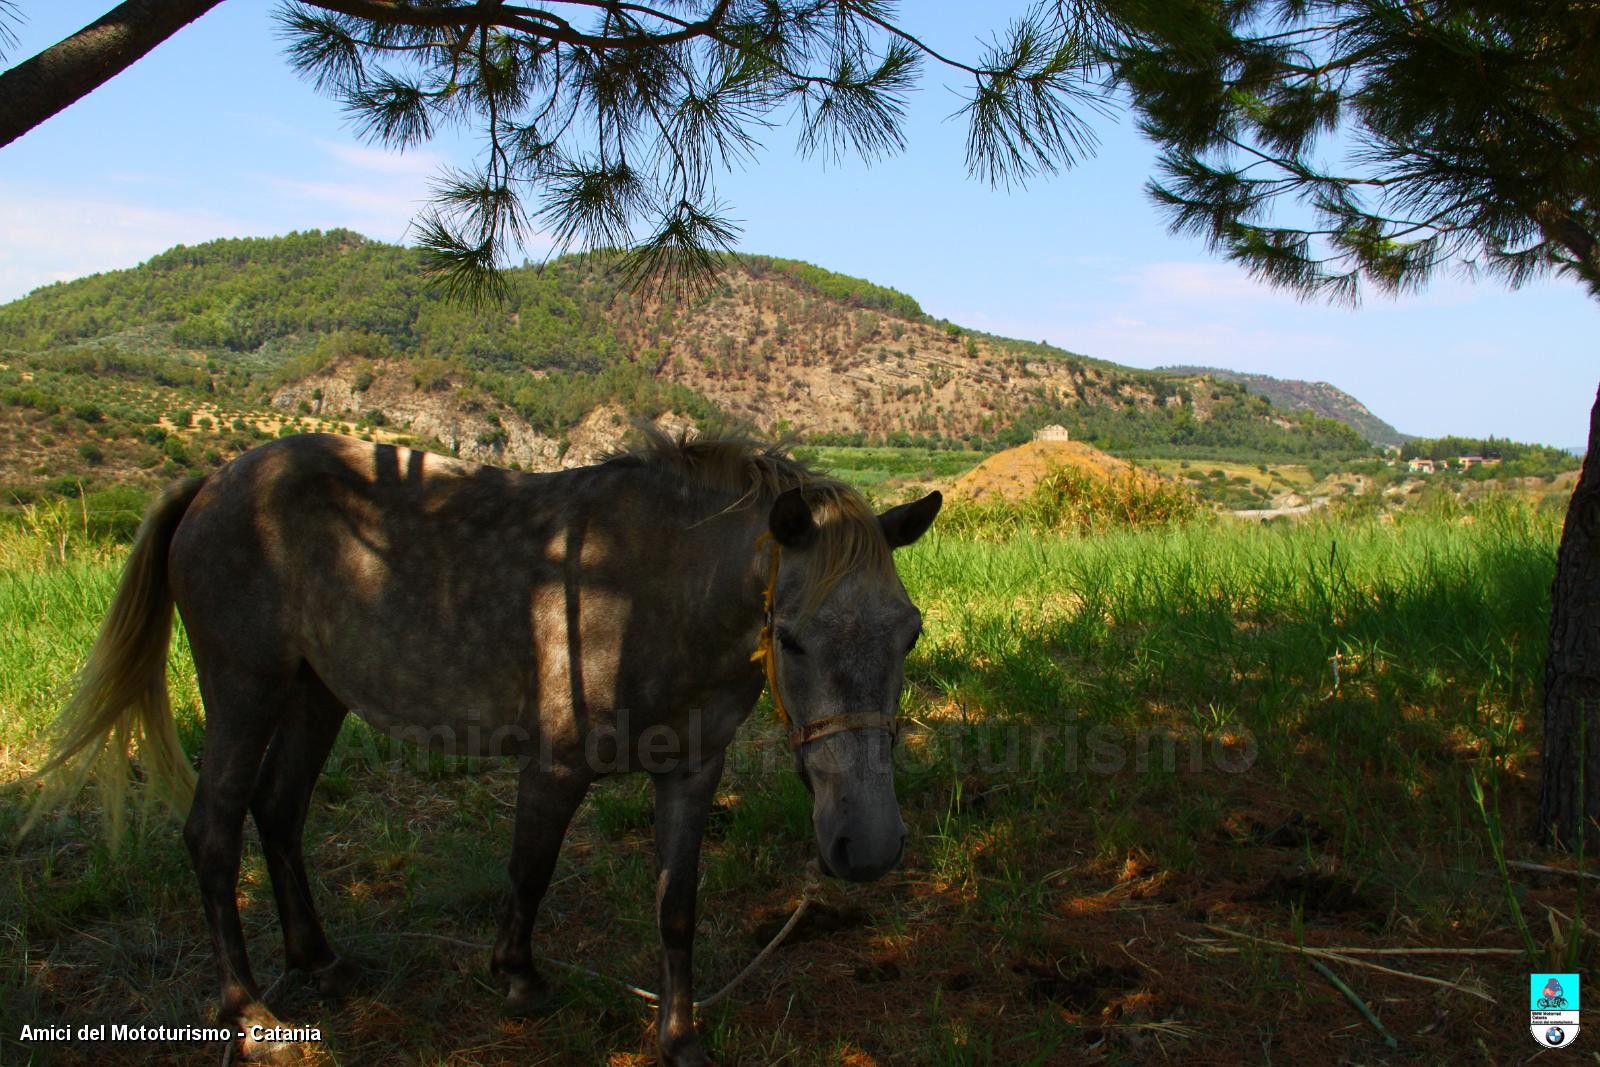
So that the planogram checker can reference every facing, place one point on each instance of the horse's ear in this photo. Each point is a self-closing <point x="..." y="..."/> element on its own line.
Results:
<point x="902" y="525"/>
<point x="790" y="522"/>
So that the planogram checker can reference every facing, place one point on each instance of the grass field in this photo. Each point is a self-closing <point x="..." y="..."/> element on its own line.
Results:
<point x="1124" y="753"/>
<point x="1237" y="485"/>
<point x="884" y="472"/>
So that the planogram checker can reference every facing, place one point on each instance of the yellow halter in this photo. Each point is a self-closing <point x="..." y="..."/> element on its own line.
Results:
<point x="765" y="652"/>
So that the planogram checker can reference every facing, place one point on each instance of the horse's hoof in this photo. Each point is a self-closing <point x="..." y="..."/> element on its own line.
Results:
<point x="337" y="978"/>
<point x="255" y="1046"/>
<point x="527" y="995"/>
<point x="273" y="1053"/>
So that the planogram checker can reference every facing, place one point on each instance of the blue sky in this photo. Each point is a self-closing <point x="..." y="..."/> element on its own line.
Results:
<point x="212" y="136"/>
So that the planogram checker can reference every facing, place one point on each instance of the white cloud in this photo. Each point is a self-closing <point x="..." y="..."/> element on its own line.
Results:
<point x="1218" y="282"/>
<point x="384" y="160"/>
<point x="1204" y="283"/>
<point x="51" y="237"/>
<point x="371" y="190"/>
<point x="1217" y="342"/>
<point x="394" y="204"/>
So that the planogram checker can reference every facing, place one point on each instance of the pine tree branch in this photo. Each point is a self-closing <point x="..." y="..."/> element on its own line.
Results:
<point x="914" y="42"/>
<point x="71" y="69"/>
<point x="1563" y="228"/>
<point x="488" y="14"/>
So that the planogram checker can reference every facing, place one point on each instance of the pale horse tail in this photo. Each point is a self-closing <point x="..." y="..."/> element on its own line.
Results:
<point x="121" y="691"/>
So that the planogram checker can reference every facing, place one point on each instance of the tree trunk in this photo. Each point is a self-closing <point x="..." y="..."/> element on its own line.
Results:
<point x="1570" y="795"/>
<point x="66" y="72"/>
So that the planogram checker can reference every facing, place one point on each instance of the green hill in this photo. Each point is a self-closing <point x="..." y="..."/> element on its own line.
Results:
<point x="268" y="335"/>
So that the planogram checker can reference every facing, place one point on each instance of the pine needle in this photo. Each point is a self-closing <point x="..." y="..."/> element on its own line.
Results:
<point x="1352" y="997"/>
<point x="1540" y="868"/>
<point x="1339" y="957"/>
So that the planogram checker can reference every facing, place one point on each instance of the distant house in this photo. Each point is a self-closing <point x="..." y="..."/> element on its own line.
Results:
<point x="1052" y="433"/>
<point x="1468" y="462"/>
<point x="1420" y="466"/>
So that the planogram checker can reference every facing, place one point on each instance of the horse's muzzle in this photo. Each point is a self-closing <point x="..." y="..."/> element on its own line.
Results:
<point x="847" y="860"/>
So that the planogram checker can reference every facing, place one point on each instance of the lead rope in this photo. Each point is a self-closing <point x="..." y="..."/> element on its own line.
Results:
<point x="809" y="894"/>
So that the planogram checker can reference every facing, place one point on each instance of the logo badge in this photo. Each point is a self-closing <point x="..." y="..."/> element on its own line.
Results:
<point x="1553" y="1009"/>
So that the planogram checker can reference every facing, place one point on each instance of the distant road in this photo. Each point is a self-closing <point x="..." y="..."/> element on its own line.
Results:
<point x="1261" y="514"/>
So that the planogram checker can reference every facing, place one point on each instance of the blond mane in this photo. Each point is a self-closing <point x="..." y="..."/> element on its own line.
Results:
<point x="849" y="538"/>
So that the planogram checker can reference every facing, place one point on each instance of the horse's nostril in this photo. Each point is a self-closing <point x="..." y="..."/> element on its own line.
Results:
<point x="849" y="859"/>
<point x="839" y="857"/>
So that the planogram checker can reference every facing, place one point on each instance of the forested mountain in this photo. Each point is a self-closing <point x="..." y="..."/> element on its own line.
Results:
<point x="264" y="335"/>
<point x="1319" y="398"/>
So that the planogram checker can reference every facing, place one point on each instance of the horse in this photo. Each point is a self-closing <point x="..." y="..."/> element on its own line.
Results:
<point x="619" y="617"/>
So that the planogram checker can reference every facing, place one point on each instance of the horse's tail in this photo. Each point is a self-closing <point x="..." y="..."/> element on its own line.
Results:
<point x="122" y="689"/>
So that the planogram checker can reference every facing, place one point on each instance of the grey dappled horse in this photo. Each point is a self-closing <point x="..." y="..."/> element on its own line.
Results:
<point x="586" y="622"/>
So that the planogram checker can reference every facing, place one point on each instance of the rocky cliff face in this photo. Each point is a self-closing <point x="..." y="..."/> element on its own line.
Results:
<point x="765" y="349"/>
<point x="461" y="420"/>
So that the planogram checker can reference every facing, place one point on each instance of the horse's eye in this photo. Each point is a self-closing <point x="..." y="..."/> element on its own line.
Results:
<point x="790" y="644"/>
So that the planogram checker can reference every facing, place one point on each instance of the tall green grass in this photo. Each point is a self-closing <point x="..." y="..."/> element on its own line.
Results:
<point x="59" y="565"/>
<point x="1366" y="668"/>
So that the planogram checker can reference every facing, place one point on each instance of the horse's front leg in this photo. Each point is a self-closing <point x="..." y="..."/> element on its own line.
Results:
<point x="683" y="800"/>
<point x="546" y="801"/>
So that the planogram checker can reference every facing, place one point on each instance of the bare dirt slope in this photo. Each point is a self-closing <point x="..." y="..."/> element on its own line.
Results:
<point x="766" y="349"/>
<point x="1012" y="474"/>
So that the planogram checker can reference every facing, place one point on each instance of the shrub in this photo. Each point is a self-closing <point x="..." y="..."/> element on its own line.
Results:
<point x="1068" y="500"/>
<point x="114" y="512"/>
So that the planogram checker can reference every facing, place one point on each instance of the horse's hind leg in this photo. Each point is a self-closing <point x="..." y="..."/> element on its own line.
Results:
<point x="241" y="715"/>
<point x="282" y="797"/>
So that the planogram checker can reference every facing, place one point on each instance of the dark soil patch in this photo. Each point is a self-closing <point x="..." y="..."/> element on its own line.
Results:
<point x="876" y="971"/>
<point x="1315" y="894"/>
<point x="959" y="981"/>
<point x="1086" y="990"/>
<point x="820" y="920"/>
<point x="1297" y="831"/>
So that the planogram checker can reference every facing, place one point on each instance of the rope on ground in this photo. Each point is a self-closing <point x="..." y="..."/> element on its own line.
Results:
<point x="813" y="888"/>
<point x="808" y="896"/>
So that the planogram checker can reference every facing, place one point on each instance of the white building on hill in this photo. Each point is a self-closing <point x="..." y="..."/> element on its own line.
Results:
<point x="1052" y="433"/>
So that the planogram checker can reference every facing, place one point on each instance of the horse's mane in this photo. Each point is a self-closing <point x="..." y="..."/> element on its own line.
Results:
<point x="848" y="535"/>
